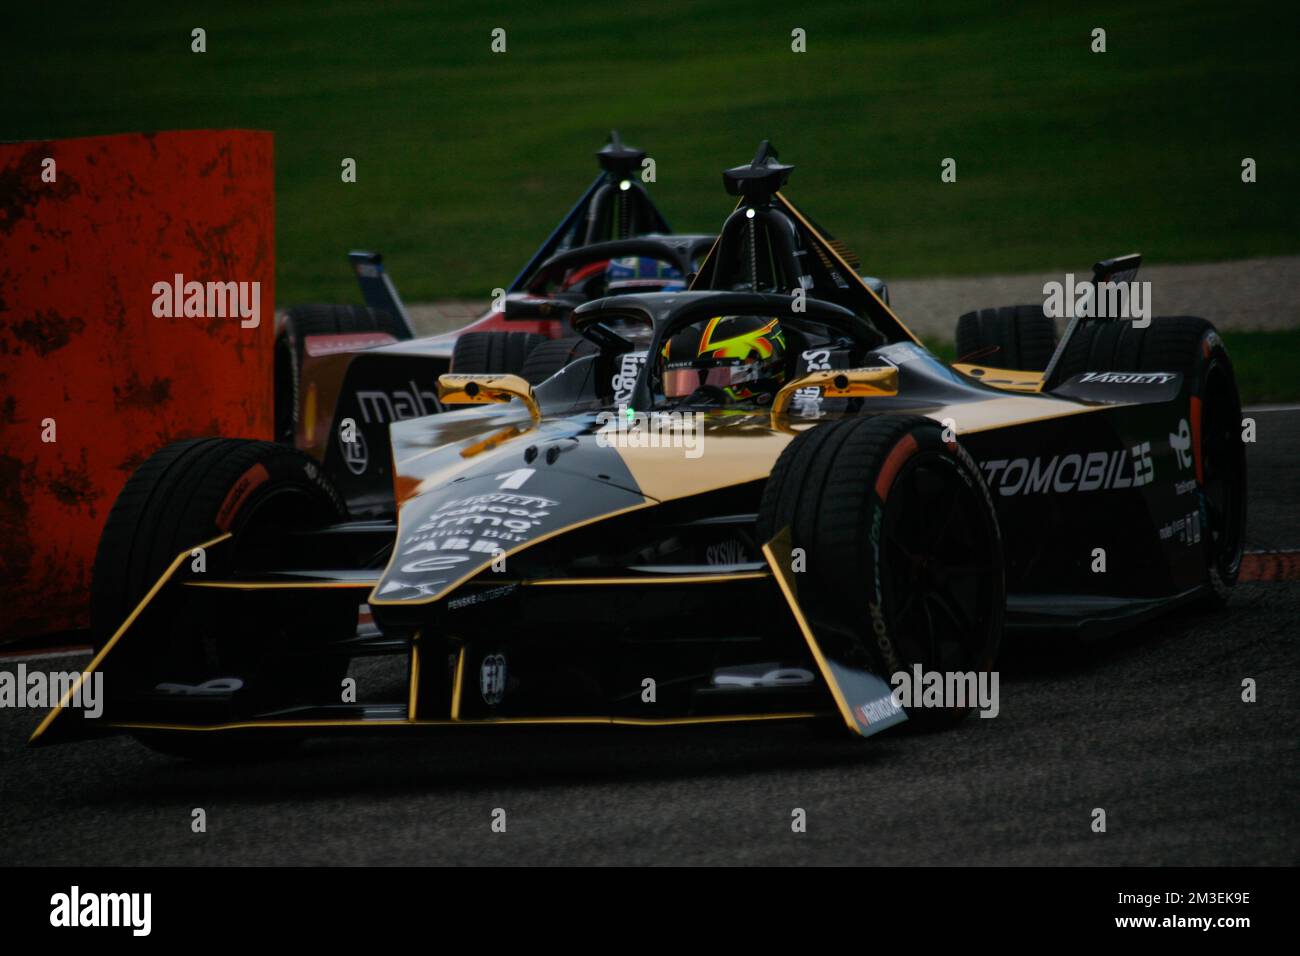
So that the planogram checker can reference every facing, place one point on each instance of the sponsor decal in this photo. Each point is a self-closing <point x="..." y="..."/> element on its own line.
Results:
<point x="1181" y="442"/>
<point x="356" y="453"/>
<point x="762" y="675"/>
<point x="441" y="562"/>
<point x="381" y="407"/>
<point x="492" y="679"/>
<point x="730" y="551"/>
<point x="807" y="402"/>
<point x="879" y="709"/>
<point x="1091" y="471"/>
<point x="625" y="378"/>
<point x="1185" y="487"/>
<point x="248" y="482"/>
<point x="1185" y="530"/>
<point x="496" y="519"/>
<point x="482" y="597"/>
<point x="318" y="345"/>
<point x="427" y="588"/>
<point x="879" y="629"/>
<point x="483" y="524"/>
<point x="217" y="687"/>
<point x="1128" y="378"/>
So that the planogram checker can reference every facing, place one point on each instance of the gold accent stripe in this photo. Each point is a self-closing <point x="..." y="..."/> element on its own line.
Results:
<point x="787" y="589"/>
<point x="657" y="579"/>
<point x="112" y="641"/>
<point x="280" y="585"/>
<point x="415" y="678"/>
<point x="488" y="722"/>
<point x="458" y="684"/>
<point x="1011" y="380"/>
<point x="852" y="272"/>
<point x="1010" y="410"/>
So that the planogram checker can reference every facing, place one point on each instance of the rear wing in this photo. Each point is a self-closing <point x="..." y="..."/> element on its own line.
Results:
<point x="1119" y="269"/>
<point x="377" y="289"/>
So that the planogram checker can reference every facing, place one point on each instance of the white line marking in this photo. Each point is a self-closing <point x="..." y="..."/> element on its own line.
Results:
<point x="1272" y="408"/>
<point x="16" y="658"/>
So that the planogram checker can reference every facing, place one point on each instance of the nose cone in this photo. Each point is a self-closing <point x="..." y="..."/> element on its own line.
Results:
<point x="497" y="500"/>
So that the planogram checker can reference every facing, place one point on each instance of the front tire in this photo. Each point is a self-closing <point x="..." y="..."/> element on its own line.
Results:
<point x="902" y="545"/>
<point x="186" y="494"/>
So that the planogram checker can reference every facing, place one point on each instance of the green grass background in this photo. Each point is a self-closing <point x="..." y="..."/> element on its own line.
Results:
<point x="466" y="159"/>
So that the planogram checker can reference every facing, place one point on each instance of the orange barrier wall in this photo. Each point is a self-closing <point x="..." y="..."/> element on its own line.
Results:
<point x="82" y="342"/>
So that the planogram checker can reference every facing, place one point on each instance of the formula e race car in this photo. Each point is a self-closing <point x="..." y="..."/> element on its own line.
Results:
<point x="366" y="365"/>
<point x="760" y="499"/>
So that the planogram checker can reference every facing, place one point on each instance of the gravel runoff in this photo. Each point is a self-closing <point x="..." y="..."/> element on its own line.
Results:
<point x="1248" y="294"/>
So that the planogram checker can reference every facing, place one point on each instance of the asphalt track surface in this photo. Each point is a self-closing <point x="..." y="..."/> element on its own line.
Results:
<point x="1150" y="727"/>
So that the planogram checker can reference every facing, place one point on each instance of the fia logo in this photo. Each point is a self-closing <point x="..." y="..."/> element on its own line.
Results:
<point x="492" y="679"/>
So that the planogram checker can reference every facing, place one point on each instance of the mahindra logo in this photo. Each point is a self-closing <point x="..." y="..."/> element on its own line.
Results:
<point x="379" y="408"/>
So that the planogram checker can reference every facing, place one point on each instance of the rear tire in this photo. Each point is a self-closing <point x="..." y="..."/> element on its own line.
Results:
<point x="1192" y="347"/>
<point x="290" y="347"/>
<point x="554" y="354"/>
<point x="494" y="353"/>
<point x="1013" y="337"/>
<point x="902" y="544"/>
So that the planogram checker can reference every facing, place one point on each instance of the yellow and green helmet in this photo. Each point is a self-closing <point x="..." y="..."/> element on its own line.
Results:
<point x="734" y="357"/>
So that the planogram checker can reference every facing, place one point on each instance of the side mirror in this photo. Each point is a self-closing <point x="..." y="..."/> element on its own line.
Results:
<point x="456" y="389"/>
<point x="840" y="383"/>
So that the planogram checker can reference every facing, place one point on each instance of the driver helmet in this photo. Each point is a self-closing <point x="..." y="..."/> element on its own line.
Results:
<point x="742" y="357"/>
<point x="642" y="274"/>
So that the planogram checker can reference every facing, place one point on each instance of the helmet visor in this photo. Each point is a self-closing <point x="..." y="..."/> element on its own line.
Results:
<point x="685" y="380"/>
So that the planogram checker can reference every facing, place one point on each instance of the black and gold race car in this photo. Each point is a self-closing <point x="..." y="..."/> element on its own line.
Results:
<point x="756" y="500"/>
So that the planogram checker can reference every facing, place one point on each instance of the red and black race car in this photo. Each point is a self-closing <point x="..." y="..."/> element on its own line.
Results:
<point x="761" y="499"/>
<point x="366" y="366"/>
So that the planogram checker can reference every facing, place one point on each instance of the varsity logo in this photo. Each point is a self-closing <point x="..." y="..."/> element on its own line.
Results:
<point x="1129" y="378"/>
